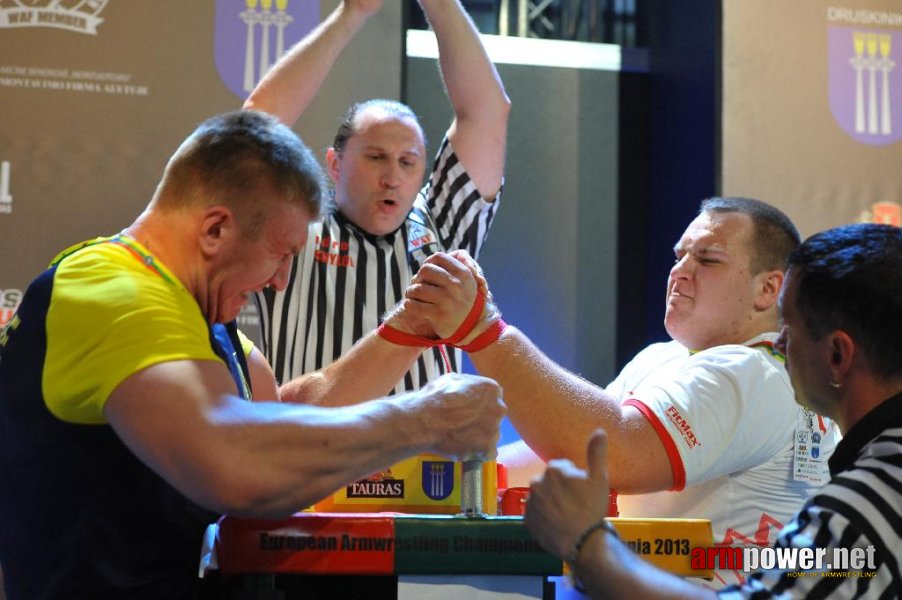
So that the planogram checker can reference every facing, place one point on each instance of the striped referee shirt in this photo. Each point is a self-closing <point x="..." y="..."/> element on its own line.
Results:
<point x="344" y="279"/>
<point x="860" y="507"/>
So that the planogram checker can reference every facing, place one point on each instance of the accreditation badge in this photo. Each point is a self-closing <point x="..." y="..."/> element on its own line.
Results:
<point x="809" y="462"/>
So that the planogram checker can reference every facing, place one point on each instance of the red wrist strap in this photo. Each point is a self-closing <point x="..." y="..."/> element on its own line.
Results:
<point x="469" y="322"/>
<point x="486" y="338"/>
<point x="401" y="338"/>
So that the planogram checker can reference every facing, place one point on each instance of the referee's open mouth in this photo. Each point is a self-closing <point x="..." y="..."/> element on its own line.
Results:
<point x="388" y="205"/>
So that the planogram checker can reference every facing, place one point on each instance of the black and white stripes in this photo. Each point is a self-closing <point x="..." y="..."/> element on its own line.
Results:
<point x="344" y="280"/>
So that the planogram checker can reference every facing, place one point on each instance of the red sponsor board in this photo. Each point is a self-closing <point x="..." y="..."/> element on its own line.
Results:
<point x="308" y="543"/>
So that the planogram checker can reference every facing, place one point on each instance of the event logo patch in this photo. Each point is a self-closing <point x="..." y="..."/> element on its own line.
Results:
<point x="438" y="479"/>
<point x="866" y="83"/>
<point x="421" y="238"/>
<point x="79" y="16"/>
<point x="251" y="35"/>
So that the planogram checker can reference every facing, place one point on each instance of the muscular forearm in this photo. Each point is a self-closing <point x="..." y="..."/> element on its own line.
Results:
<point x="284" y="458"/>
<point x="291" y="85"/>
<point x="256" y="458"/>
<point x="554" y="410"/>
<point x="369" y="370"/>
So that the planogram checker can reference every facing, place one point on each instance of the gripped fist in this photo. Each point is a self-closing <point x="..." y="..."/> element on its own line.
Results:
<point x="463" y="413"/>
<point x="440" y="296"/>
<point x="468" y="261"/>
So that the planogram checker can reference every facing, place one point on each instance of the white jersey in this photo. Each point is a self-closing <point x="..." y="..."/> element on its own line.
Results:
<point x="344" y="279"/>
<point x="743" y="453"/>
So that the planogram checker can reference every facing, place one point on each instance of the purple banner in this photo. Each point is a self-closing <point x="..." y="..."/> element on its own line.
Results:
<point x="866" y="83"/>
<point x="251" y="35"/>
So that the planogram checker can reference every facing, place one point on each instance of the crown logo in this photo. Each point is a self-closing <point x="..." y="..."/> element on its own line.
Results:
<point x="266" y="18"/>
<point x="79" y="16"/>
<point x="251" y="36"/>
<point x="865" y="84"/>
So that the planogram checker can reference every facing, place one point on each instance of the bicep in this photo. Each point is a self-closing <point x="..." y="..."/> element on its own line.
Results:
<point x="638" y="461"/>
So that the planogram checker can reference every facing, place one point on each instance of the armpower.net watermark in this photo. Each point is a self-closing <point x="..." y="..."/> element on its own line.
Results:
<point x="800" y="562"/>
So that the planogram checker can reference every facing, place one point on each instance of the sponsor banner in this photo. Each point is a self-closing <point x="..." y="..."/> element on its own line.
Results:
<point x="667" y="543"/>
<point x="450" y="545"/>
<point x="96" y="104"/>
<point x="323" y="543"/>
<point x="79" y="16"/>
<point x="811" y="115"/>
<point x="307" y="543"/>
<point x="380" y="544"/>
<point x="376" y="488"/>
<point x="426" y="484"/>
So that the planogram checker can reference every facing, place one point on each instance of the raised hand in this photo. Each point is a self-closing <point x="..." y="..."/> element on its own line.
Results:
<point x="565" y="500"/>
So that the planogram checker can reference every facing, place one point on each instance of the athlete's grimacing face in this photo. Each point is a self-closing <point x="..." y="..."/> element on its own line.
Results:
<point x="711" y="289"/>
<point x="249" y="266"/>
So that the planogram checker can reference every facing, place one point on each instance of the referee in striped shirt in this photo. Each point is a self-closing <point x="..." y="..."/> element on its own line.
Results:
<point x="358" y="261"/>
<point x="842" y="324"/>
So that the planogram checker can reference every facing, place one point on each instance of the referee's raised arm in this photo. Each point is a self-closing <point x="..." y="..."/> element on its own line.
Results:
<point x="294" y="81"/>
<point x="481" y="106"/>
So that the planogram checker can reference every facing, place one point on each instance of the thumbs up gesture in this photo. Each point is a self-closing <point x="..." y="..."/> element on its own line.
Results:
<point x="566" y="500"/>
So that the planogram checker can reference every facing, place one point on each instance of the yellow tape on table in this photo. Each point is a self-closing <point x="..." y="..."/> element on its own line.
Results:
<point x="667" y="543"/>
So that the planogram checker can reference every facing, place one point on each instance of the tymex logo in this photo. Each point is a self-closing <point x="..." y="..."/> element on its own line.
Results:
<point x="79" y="16"/>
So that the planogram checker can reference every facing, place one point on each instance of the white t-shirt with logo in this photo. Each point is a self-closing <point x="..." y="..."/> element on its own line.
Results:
<point x="743" y="453"/>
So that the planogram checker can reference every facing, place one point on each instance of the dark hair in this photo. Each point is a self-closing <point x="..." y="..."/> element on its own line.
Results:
<point x="850" y="278"/>
<point x="348" y="126"/>
<point x="774" y="236"/>
<point x="234" y="158"/>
